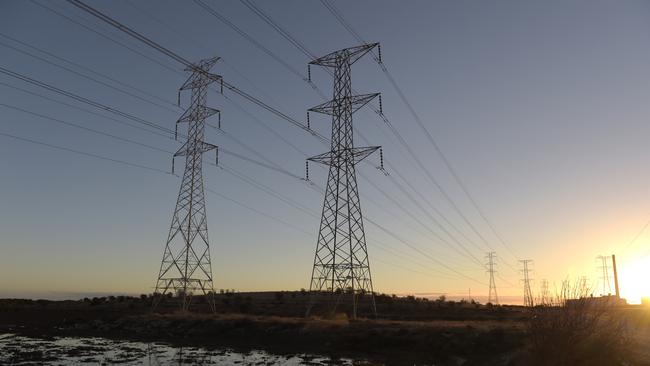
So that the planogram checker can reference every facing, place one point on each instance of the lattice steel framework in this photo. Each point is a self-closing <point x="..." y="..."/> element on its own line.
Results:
<point x="492" y="296"/>
<point x="528" y="294"/>
<point x="604" y="267"/>
<point x="341" y="262"/>
<point x="186" y="266"/>
<point x="545" y="298"/>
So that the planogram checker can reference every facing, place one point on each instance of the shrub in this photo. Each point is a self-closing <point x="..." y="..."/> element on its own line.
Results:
<point x="575" y="329"/>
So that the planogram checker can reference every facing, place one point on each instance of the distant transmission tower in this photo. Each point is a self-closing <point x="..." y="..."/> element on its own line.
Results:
<point x="544" y="293"/>
<point x="492" y="297"/>
<point x="341" y="262"/>
<point x="604" y="266"/>
<point x="528" y="295"/>
<point x="186" y="266"/>
<point x="583" y="286"/>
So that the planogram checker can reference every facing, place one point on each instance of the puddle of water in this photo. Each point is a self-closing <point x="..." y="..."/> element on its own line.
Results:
<point x="20" y="350"/>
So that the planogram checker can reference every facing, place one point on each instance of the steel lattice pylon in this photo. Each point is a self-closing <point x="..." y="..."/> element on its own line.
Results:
<point x="528" y="294"/>
<point x="341" y="262"/>
<point x="492" y="297"/>
<point x="186" y="266"/>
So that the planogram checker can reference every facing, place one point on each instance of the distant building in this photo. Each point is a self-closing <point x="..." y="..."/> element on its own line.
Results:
<point x="607" y="300"/>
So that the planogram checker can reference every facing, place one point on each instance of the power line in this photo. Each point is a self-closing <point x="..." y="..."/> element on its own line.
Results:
<point x="415" y="248"/>
<point x="289" y="201"/>
<point x="309" y="54"/>
<point x="387" y="196"/>
<point x="71" y="124"/>
<point x="82" y="109"/>
<point x="259" y="212"/>
<point x="636" y="237"/>
<point x="82" y="99"/>
<point x="337" y="14"/>
<point x="417" y="219"/>
<point x="188" y="64"/>
<point x="409" y="269"/>
<point x="79" y="152"/>
<point x="165" y="51"/>
<point x="279" y="196"/>
<point x="130" y="32"/>
<point x="257" y="44"/>
<point x="268" y="20"/>
<point x="118" y="137"/>
<point x="112" y="22"/>
<point x="239" y="142"/>
<point x="227" y="169"/>
<point x="272" y="166"/>
<point x="105" y="36"/>
<point x="435" y="221"/>
<point x="172" y="29"/>
<point x="304" y="49"/>
<point x="123" y="162"/>
<point x="123" y="114"/>
<point x="252" y="40"/>
<point x="86" y="76"/>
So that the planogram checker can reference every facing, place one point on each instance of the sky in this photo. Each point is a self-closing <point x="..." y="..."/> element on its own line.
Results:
<point x="541" y="108"/>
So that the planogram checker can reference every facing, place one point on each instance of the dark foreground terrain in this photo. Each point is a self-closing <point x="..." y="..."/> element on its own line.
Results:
<point x="408" y="331"/>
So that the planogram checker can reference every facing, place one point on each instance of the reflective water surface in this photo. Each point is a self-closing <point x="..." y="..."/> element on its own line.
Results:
<point x="21" y="350"/>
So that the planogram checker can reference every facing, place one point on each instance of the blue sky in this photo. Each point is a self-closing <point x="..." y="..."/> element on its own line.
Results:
<point x="541" y="108"/>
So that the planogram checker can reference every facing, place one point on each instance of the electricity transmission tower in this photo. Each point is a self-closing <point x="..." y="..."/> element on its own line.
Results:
<point x="583" y="286"/>
<point x="492" y="297"/>
<point x="341" y="264"/>
<point x="604" y="267"/>
<point x="544" y="293"/>
<point x="528" y="295"/>
<point x="185" y="265"/>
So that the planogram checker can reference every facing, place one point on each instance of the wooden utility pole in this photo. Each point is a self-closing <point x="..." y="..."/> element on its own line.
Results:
<point x="618" y="294"/>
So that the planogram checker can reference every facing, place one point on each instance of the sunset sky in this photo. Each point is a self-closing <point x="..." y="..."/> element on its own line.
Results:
<point x="541" y="107"/>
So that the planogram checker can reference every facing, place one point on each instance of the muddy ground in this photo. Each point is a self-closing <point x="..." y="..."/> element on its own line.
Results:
<point x="407" y="331"/>
<point x="438" y="333"/>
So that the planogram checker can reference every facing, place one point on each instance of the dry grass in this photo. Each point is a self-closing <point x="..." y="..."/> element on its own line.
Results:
<point x="572" y="328"/>
<point x="341" y="320"/>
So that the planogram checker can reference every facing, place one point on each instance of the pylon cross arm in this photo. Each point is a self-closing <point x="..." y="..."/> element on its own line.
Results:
<point x="203" y="65"/>
<point x="203" y="111"/>
<point x="202" y="147"/>
<point x="333" y="106"/>
<point x="196" y="82"/>
<point x="351" y="54"/>
<point x="335" y="157"/>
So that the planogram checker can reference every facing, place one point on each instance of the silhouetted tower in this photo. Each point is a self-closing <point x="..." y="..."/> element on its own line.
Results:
<point x="583" y="286"/>
<point x="617" y="290"/>
<point x="492" y="296"/>
<point x="528" y="295"/>
<point x="186" y="266"/>
<point x="604" y="267"/>
<point x="341" y="262"/>
<point x="544" y="293"/>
